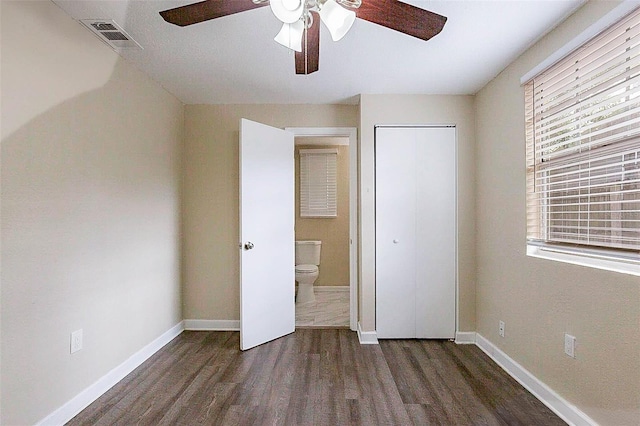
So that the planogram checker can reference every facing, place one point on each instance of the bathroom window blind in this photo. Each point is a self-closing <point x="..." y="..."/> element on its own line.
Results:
<point x="583" y="145"/>
<point x="318" y="182"/>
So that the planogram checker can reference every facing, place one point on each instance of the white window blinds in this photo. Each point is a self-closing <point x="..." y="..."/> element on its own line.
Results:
<point x="583" y="144"/>
<point x="318" y="182"/>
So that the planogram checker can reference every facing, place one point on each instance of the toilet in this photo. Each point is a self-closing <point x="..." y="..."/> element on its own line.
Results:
<point x="307" y="262"/>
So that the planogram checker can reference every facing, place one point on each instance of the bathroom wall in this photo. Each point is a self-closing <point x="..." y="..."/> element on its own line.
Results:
<point x="210" y="196"/>
<point x="333" y="232"/>
<point x="540" y="300"/>
<point x="90" y="215"/>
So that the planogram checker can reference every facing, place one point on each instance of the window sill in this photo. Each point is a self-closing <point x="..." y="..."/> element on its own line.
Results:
<point x="607" y="263"/>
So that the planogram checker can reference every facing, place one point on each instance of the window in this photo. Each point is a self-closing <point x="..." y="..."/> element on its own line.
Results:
<point x="583" y="148"/>
<point x="318" y="182"/>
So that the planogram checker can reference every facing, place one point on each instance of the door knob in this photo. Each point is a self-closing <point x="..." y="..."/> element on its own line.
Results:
<point x="248" y="245"/>
<point x="396" y="241"/>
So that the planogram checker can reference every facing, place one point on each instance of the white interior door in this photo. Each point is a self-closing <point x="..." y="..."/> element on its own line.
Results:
<point x="267" y="271"/>
<point x="415" y="232"/>
<point x="436" y="231"/>
<point x="395" y="234"/>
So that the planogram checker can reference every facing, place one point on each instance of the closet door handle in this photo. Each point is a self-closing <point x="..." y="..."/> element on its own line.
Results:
<point x="248" y="245"/>
<point x="396" y="241"/>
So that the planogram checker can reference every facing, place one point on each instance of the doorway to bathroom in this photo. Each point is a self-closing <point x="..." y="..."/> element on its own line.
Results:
<point x="331" y="300"/>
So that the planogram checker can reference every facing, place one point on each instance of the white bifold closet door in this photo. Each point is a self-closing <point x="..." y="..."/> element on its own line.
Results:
<point x="415" y="232"/>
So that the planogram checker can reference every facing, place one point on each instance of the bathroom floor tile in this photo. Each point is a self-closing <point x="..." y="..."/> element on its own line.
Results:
<point x="331" y="309"/>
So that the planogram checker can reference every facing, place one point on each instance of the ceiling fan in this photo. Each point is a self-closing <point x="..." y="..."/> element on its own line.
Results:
<point x="301" y="26"/>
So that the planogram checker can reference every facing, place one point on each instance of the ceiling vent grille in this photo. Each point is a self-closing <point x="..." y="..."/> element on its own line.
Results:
<point x="111" y="33"/>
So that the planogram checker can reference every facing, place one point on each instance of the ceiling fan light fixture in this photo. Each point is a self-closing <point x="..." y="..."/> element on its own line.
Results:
<point x="290" y="35"/>
<point x="337" y="19"/>
<point x="287" y="11"/>
<point x="349" y="4"/>
<point x="337" y="15"/>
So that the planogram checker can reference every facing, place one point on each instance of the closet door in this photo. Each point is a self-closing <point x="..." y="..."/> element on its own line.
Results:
<point x="395" y="233"/>
<point x="436" y="233"/>
<point x="415" y="232"/>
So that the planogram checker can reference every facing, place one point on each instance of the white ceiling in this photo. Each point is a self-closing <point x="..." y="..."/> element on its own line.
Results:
<point x="235" y="60"/>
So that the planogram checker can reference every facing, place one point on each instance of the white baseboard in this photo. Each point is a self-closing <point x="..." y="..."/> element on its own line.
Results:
<point x="81" y="401"/>
<point x="465" y="337"/>
<point x="367" y="337"/>
<point x="321" y="288"/>
<point x="211" y="325"/>
<point x="566" y="411"/>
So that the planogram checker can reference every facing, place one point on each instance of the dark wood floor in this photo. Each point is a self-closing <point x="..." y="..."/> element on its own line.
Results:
<point x="316" y="377"/>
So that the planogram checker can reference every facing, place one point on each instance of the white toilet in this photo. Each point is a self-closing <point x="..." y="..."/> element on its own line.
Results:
<point x="307" y="262"/>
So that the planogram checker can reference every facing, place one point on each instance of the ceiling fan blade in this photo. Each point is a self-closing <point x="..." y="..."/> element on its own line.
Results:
<point x="402" y="17"/>
<point x="208" y="9"/>
<point x="307" y="60"/>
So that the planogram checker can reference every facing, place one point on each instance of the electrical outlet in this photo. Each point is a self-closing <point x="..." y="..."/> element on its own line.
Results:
<point x="76" y="341"/>
<point x="570" y="345"/>
<point x="501" y="328"/>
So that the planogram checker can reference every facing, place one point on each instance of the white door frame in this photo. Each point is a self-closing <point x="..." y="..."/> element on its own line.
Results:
<point x="352" y="134"/>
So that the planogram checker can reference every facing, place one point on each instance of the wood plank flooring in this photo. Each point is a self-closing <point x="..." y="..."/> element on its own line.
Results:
<point x="316" y="377"/>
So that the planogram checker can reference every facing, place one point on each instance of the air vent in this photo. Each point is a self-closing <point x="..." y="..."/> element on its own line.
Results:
<point x="111" y="33"/>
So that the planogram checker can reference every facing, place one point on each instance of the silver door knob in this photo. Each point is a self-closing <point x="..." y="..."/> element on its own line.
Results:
<point x="396" y="241"/>
<point x="248" y="245"/>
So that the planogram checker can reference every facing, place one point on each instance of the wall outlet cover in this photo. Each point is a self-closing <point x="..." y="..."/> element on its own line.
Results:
<point x="76" y="341"/>
<point x="570" y="345"/>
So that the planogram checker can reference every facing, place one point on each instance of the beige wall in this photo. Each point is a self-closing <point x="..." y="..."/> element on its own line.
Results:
<point x="210" y="196"/>
<point x="419" y="109"/>
<point x="90" y="220"/>
<point x="540" y="300"/>
<point x="90" y="209"/>
<point x="333" y="232"/>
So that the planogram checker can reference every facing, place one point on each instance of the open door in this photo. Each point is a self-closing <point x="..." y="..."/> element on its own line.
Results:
<point x="267" y="259"/>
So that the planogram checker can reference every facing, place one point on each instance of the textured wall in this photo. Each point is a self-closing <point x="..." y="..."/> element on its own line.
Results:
<point x="90" y="209"/>
<point x="540" y="300"/>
